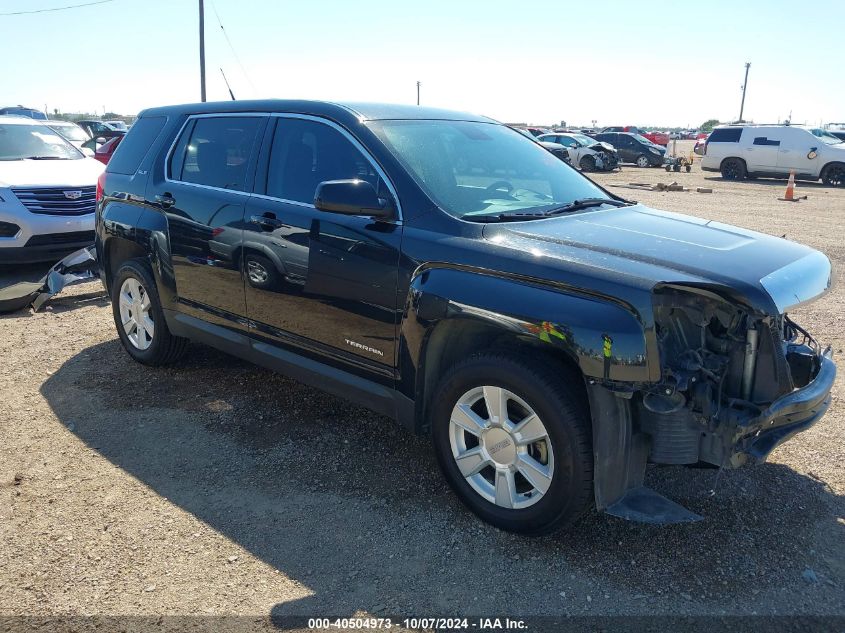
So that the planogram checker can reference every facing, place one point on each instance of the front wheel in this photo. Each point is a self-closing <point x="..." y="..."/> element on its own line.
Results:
<point x="513" y="439"/>
<point x="587" y="163"/>
<point x="642" y="161"/>
<point x="834" y="175"/>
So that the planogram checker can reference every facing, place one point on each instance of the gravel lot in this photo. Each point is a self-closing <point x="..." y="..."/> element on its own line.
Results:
<point x="216" y="487"/>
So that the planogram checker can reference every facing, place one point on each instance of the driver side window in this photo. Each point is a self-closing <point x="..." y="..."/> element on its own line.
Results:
<point x="305" y="153"/>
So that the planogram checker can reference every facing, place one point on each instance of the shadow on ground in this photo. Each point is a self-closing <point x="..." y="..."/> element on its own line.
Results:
<point x="353" y="508"/>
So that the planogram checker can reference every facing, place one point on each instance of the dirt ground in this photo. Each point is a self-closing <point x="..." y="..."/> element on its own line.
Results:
<point x="216" y="487"/>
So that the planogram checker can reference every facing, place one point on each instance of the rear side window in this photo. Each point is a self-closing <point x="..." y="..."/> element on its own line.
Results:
<point x="725" y="135"/>
<point x="762" y="140"/>
<point x="132" y="149"/>
<point x="215" y="152"/>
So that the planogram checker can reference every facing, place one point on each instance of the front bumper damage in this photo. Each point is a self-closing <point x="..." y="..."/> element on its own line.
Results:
<point x="628" y="434"/>
<point x="797" y="411"/>
<point x="77" y="267"/>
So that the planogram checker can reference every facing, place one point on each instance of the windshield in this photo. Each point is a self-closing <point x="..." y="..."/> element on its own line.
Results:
<point x="18" y="142"/>
<point x="644" y="140"/>
<point x="71" y="132"/>
<point x="117" y="125"/>
<point x="584" y="139"/>
<point x="470" y="168"/>
<point x="826" y="136"/>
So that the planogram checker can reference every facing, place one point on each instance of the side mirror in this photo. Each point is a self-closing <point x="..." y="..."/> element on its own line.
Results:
<point x="100" y="140"/>
<point x="351" y="197"/>
<point x="87" y="151"/>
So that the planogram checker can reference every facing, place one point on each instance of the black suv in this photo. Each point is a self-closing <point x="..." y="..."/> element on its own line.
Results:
<point x="446" y="271"/>
<point x="633" y="148"/>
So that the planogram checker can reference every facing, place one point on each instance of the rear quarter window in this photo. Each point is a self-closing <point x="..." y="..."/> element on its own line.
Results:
<point x="132" y="149"/>
<point x="725" y="135"/>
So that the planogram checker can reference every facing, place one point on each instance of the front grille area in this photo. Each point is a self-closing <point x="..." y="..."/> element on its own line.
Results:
<point x="7" y="229"/>
<point x="59" y="239"/>
<point x="57" y="200"/>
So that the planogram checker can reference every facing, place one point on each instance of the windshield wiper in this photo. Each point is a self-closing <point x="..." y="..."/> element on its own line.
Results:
<point x="45" y="158"/>
<point x="575" y="205"/>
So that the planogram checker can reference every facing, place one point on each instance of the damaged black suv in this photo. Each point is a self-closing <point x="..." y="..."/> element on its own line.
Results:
<point x="447" y="272"/>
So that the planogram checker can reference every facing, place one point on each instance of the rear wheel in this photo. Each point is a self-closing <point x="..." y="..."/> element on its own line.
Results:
<point x="512" y="437"/>
<point x="642" y="161"/>
<point x="139" y="317"/>
<point x="733" y="169"/>
<point x="834" y="175"/>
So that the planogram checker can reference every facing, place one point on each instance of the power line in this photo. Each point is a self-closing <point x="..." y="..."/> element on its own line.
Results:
<point x="232" y="48"/>
<point x="72" y="6"/>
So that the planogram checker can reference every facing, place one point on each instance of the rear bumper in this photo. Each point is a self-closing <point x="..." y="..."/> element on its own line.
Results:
<point x="788" y="415"/>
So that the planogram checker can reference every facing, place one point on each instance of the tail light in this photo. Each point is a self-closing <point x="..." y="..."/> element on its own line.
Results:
<point x="100" y="181"/>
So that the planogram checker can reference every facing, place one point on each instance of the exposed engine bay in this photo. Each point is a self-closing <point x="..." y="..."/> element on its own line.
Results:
<point x="723" y="367"/>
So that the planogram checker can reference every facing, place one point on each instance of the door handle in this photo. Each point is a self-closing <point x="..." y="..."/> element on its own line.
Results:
<point x="165" y="200"/>
<point x="266" y="220"/>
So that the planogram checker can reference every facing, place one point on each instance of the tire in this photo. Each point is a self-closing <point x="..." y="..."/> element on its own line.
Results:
<point x="134" y="288"/>
<point x="833" y="175"/>
<point x="260" y="272"/>
<point x="587" y="163"/>
<point x="643" y="161"/>
<point x="557" y="497"/>
<point x="734" y="169"/>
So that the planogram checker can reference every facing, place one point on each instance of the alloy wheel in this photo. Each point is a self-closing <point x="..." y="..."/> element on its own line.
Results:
<point x="135" y="314"/>
<point x="642" y="161"/>
<point x="256" y="272"/>
<point x="501" y="447"/>
<point x="835" y="177"/>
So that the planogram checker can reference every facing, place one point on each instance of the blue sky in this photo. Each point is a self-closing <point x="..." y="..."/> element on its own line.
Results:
<point x="537" y="61"/>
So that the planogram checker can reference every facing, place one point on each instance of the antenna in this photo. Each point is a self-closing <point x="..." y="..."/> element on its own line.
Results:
<point x="231" y="94"/>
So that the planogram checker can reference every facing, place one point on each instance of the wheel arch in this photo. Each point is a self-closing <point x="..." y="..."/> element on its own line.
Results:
<point x="727" y="158"/>
<point x="452" y="313"/>
<point x="828" y="165"/>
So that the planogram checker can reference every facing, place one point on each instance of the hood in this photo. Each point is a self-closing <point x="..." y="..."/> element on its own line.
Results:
<point x="769" y="273"/>
<point x="44" y="173"/>
<point x="602" y="146"/>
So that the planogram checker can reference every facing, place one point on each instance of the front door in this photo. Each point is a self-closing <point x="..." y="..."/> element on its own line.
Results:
<point x="203" y="190"/>
<point x="318" y="280"/>
<point x="796" y="148"/>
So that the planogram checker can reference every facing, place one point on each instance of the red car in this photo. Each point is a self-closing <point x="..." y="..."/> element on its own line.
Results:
<point x="104" y="152"/>
<point x="659" y="138"/>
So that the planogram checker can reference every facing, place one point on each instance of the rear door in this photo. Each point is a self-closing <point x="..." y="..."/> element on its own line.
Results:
<point x="759" y="146"/>
<point x="202" y="188"/>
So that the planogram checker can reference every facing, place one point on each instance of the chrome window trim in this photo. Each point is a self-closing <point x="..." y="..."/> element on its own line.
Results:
<point x="206" y="115"/>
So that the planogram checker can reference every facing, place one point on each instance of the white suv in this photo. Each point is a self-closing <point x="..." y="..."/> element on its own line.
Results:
<point x="740" y="151"/>
<point x="47" y="193"/>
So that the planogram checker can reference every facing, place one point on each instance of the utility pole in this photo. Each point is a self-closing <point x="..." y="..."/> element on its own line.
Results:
<point x="202" y="51"/>
<point x="744" y="86"/>
<point x="418" y="93"/>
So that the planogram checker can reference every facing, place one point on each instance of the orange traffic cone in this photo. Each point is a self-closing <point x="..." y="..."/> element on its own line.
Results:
<point x="789" y="196"/>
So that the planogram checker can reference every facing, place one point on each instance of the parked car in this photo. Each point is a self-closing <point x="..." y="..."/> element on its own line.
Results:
<point x="586" y="152"/>
<point x="700" y="146"/>
<point x="550" y="336"/>
<point x="47" y="190"/>
<point x="658" y="138"/>
<point x="555" y="148"/>
<point x="99" y="129"/>
<point x="634" y="148"/>
<point x="30" y="113"/>
<point x="118" y="125"/>
<point x="105" y="151"/>
<point x="71" y="131"/>
<point x="740" y="151"/>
